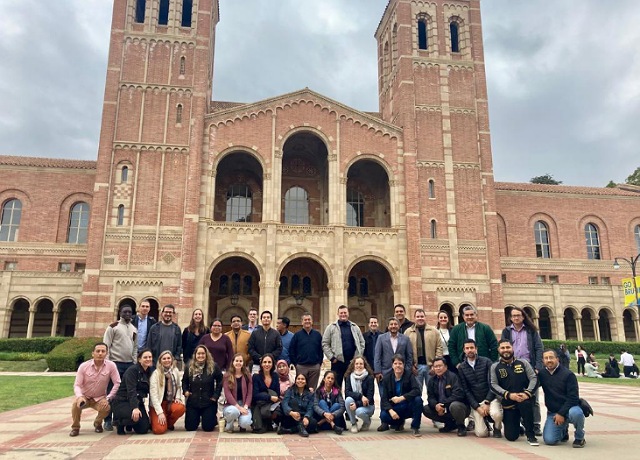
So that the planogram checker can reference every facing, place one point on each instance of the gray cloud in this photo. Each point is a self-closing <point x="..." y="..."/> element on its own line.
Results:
<point x="562" y="76"/>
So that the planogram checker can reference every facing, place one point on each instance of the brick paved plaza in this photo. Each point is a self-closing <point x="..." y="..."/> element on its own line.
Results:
<point x="41" y="431"/>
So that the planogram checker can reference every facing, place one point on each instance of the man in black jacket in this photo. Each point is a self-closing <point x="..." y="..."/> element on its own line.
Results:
<point x="514" y="381"/>
<point x="264" y="340"/>
<point x="446" y="401"/>
<point x="474" y="373"/>
<point x="561" y="396"/>
<point x="401" y="399"/>
<point x="370" y="339"/>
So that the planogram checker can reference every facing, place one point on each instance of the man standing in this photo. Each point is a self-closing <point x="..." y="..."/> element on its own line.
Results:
<point x="401" y="399"/>
<point x="426" y="345"/>
<point x="90" y="388"/>
<point x="628" y="363"/>
<point x="474" y="374"/>
<point x="143" y="322"/>
<point x="122" y="344"/>
<point x="240" y="339"/>
<point x="485" y="339"/>
<point x="400" y="313"/>
<point x="264" y="340"/>
<point x="514" y="381"/>
<point x="282" y="325"/>
<point x="342" y="341"/>
<point x="166" y="335"/>
<point x="252" y="325"/>
<point x="370" y="339"/>
<point x="446" y="401"/>
<point x="561" y="396"/>
<point x="527" y="345"/>
<point x="305" y="351"/>
<point x="389" y="345"/>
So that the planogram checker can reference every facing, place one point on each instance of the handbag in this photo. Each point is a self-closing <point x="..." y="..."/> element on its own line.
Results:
<point x="587" y="410"/>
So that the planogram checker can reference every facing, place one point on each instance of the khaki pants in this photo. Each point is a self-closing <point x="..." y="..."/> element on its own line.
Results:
<point x="76" y="412"/>
<point x="495" y="411"/>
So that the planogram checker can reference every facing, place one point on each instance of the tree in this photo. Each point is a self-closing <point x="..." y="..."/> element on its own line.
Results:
<point x="634" y="179"/>
<point x="611" y="184"/>
<point x="545" y="179"/>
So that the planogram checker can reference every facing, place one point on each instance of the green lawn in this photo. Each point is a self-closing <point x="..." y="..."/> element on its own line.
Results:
<point x="16" y="391"/>
<point x="602" y="359"/>
<point x="23" y="366"/>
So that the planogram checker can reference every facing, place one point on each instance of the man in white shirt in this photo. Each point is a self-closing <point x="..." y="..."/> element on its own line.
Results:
<point x="628" y="363"/>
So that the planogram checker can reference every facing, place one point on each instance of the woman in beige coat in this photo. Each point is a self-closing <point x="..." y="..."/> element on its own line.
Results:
<point x="165" y="394"/>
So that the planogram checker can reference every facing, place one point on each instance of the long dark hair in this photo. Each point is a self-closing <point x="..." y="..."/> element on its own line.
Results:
<point x="273" y="363"/>
<point x="527" y="320"/>
<point x="449" y="322"/>
<point x="230" y="375"/>
<point x="199" y="328"/>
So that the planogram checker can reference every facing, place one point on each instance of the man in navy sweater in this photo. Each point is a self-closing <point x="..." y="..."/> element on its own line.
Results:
<point x="561" y="397"/>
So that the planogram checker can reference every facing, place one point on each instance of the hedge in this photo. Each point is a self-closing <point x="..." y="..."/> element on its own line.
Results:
<point x="603" y="348"/>
<point x="35" y="345"/>
<point x="67" y="356"/>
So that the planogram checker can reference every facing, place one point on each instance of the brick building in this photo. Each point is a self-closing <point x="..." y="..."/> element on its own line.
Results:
<point x="299" y="202"/>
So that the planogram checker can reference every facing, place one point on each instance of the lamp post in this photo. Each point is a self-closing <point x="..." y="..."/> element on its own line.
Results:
<point x="632" y="261"/>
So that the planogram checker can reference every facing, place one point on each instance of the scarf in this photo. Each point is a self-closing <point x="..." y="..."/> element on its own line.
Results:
<point x="357" y="379"/>
<point x="285" y="382"/>
<point x="169" y="378"/>
<point x="327" y="396"/>
<point x="420" y="342"/>
<point x="199" y="370"/>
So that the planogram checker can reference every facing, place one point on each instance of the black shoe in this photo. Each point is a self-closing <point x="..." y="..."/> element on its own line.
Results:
<point x="302" y="431"/>
<point x="471" y="425"/>
<point x="532" y="441"/>
<point x="416" y="432"/>
<point x="462" y="431"/>
<point x="536" y="430"/>
<point x="283" y="430"/>
<point x="260" y="431"/>
<point x="497" y="433"/>
<point x="338" y="429"/>
<point x="579" y="443"/>
<point x="400" y="428"/>
<point x="120" y="429"/>
<point x="129" y="428"/>
<point x="565" y="437"/>
<point x="383" y="427"/>
<point x="447" y="428"/>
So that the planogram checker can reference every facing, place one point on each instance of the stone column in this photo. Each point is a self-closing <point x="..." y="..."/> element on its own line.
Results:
<point x="32" y="318"/>
<point x="596" y="329"/>
<point x="54" y="322"/>
<point x="579" y="327"/>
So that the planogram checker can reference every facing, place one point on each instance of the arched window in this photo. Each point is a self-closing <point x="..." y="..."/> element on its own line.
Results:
<point x="235" y="283"/>
<point x="593" y="241"/>
<point x="394" y="47"/>
<point x="10" y="220"/>
<point x="239" y="203"/>
<point x="295" y="285"/>
<point x="183" y="65"/>
<point x="364" y="287"/>
<point x="353" y="287"/>
<point x="284" y="286"/>
<point x="247" y="285"/>
<point x="422" y="34"/>
<point x="637" y="235"/>
<point x="141" y="6"/>
<point x="124" y="174"/>
<point x="163" y="13"/>
<point x="187" y="8"/>
<point x="355" y="208"/>
<point x="296" y="206"/>
<point x="78" y="223"/>
<point x="432" y="188"/>
<point x="223" y="285"/>
<point x="179" y="114"/>
<point x="541" y="236"/>
<point x="434" y="229"/>
<point x="120" y="219"/>
<point x="306" y="286"/>
<point x="455" y="39"/>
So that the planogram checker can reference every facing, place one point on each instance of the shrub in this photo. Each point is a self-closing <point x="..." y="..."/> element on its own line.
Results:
<point x="595" y="347"/>
<point x="35" y="345"/>
<point x="67" y="356"/>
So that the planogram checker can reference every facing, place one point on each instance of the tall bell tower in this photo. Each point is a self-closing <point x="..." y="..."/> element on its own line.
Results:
<point x="432" y="83"/>
<point x="146" y="197"/>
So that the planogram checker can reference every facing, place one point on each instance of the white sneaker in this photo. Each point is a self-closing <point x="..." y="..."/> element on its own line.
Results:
<point x="354" y="428"/>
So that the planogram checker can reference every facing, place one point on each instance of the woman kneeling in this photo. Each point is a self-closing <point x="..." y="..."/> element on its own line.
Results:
<point x="167" y="401"/>
<point x="201" y="385"/>
<point x="128" y="407"/>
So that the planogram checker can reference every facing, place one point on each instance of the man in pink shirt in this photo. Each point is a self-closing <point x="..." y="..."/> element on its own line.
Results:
<point x="90" y="388"/>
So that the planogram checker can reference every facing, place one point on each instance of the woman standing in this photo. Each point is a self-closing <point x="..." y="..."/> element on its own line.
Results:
<point x="192" y="334"/>
<point x="128" y="406"/>
<point x="167" y="401"/>
<point x="238" y="392"/>
<point x="297" y="407"/>
<point x="581" y="358"/>
<point x="329" y="405"/>
<point x="444" y="326"/>
<point x="218" y="344"/>
<point x="201" y="385"/>
<point x="266" y="392"/>
<point x="358" y="391"/>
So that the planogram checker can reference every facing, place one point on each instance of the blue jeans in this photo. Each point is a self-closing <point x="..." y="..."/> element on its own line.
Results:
<point x="553" y="433"/>
<point x="364" y="413"/>
<point x="423" y="375"/>
<point x="405" y="410"/>
<point x="338" y="420"/>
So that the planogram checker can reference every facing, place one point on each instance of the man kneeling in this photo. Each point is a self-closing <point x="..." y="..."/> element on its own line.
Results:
<point x="446" y="401"/>
<point x="561" y="396"/>
<point x="400" y="398"/>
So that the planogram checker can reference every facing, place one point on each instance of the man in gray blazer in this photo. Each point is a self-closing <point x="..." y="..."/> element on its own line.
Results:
<point x="389" y="344"/>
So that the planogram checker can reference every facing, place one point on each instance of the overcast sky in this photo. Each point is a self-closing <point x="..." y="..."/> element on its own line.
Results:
<point x="563" y="76"/>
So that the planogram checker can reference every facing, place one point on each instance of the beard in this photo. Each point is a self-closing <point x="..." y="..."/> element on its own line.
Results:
<point x="507" y="355"/>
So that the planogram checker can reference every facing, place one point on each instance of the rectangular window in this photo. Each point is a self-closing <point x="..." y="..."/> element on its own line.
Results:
<point x="593" y="280"/>
<point x="10" y="266"/>
<point x="64" y="267"/>
<point x="163" y="13"/>
<point x="540" y="279"/>
<point x="504" y="278"/>
<point x="187" y="11"/>
<point x="605" y="280"/>
<point x="553" y="279"/>
<point x="140" y="10"/>
<point x="80" y="268"/>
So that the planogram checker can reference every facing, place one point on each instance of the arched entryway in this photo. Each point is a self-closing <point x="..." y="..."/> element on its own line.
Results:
<point x="370" y="290"/>
<point x="570" y="328"/>
<point x="604" y="325"/>
<point x="67" y="311"/>
<point x="587" y="324"/>
<point x="238" y="194"/>
<point x="235" y="286"/>
<point x="507" y="315"/>
<point x="628" y="322"/>
<point x="19" y="322"/>
<point x="303" y="288"/>
<point x="544" y="323"/>
<point x="43" y="319"/>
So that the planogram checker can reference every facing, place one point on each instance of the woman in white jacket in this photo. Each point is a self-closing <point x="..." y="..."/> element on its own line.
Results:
<point x="165" y="393"/>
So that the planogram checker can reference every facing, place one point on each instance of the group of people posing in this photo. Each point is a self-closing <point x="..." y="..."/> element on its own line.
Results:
<point x="468" y="374"/>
